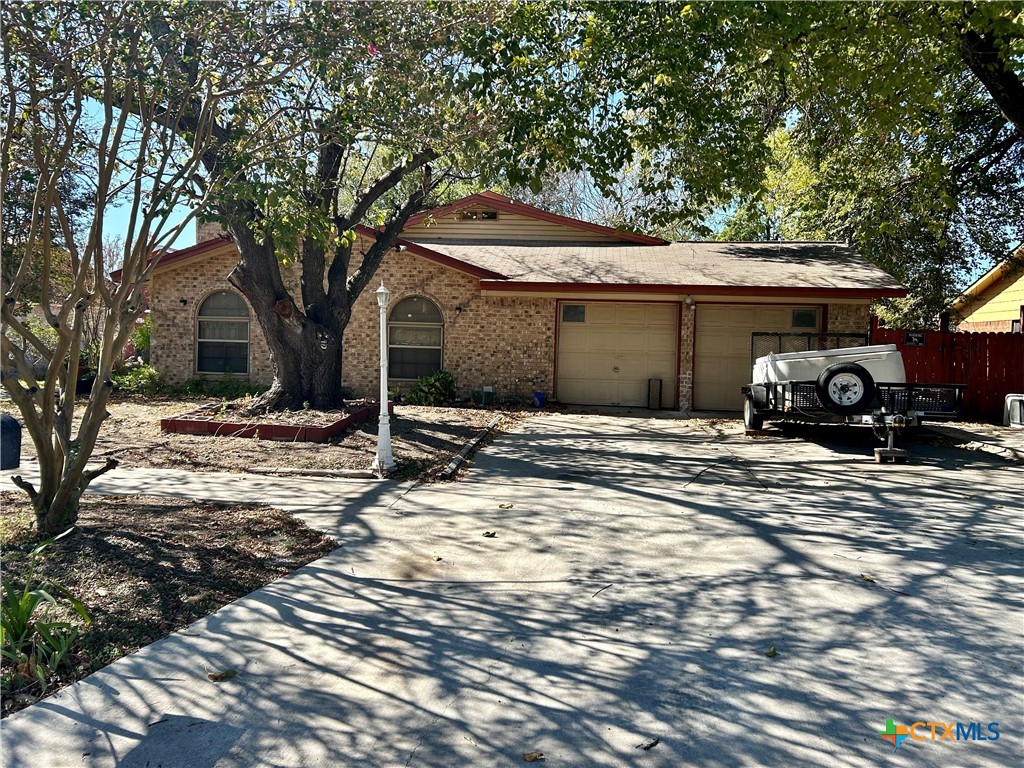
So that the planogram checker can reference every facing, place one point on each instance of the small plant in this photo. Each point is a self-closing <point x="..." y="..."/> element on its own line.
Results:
<point x="436" y="389"/>
<point x="138" y="380"/>
<point x="34" y="646"/>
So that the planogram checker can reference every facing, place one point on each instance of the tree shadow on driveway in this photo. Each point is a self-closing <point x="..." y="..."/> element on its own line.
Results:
<point x="637" y="579"/>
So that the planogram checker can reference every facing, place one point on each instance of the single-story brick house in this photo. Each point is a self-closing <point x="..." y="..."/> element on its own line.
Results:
<point x="505" y="295"/>
<point x="995" y="302"/>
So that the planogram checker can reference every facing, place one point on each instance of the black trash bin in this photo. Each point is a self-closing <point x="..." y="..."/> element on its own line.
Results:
<point x="10" y="442"/>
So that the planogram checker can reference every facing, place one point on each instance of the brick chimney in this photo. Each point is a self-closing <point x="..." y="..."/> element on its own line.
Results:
<point x="208" y="230"/>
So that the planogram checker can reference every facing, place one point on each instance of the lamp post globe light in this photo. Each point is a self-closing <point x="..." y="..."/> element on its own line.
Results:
<point x="384" y="461"/>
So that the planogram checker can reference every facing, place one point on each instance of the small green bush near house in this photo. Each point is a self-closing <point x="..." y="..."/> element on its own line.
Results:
<point x="435" y="389"/>
<point x="141" y="337"/>
<point x="138" y="380"/>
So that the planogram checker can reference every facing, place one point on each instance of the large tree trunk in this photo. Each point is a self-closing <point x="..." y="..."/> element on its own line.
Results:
<point x="305" y="348"/>
<point x="307" y="368"/>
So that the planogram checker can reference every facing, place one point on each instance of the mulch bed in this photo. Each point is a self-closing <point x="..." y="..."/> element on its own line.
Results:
<point x="145" y="567"/>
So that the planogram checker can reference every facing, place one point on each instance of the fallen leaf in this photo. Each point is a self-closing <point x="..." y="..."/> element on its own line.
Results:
<point x="649" y="744"/>
<point x="507" y="506"/>
<point x="865" y="577"/>
<point x="227" y="674"/>
<point x="489" y="534"/>
<point x="436" y="558"/>
<point x="532" y="757"/>
<point x="771" y="653"/>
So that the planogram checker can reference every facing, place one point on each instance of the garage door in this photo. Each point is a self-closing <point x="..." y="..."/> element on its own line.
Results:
<point x="722" y="354"/>
<point x="607" y="351"/>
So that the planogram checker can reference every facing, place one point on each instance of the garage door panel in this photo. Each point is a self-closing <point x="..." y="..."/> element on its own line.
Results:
<point x="608" y="358"/>
<point x="601" y="314"/>
<point x="661" y="314"/>
<point x="660" y="340"/>
<point x="630" y="314"/>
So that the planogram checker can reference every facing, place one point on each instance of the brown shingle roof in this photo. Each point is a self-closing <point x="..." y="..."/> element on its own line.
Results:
<point x="769" y="264"/>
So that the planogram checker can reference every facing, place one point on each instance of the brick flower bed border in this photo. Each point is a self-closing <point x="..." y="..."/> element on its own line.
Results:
<point x="193" y="423"/>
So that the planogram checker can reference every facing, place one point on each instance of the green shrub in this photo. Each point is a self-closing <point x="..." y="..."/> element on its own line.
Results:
<point x="435" y="389"/>
<point x="141" y="336"/>
<point x="138" y="380"/>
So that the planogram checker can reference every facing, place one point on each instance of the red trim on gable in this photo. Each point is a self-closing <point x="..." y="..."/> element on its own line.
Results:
<point x="719" y="290"/>
<point x="185" y="253"/>
<point x="439" y="258"/>
<point x="502" y="203"/>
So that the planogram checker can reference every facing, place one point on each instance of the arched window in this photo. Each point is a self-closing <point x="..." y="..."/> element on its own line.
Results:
<point x="415" y="336"/>
<point x="223" y="337"/>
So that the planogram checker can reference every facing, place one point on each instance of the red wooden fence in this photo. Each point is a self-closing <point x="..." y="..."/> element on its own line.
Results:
<point x="990" y="364"/>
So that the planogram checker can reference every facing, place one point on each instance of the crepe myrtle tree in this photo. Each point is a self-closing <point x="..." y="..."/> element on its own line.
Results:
<point x="377" y="125"/>
<point x="86" y="98"/>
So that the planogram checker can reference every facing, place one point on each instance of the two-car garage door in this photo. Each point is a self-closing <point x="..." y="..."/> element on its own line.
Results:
<point x="607" y="352"/>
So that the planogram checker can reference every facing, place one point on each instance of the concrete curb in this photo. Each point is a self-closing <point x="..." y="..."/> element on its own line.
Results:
<point x="362" y="474"/>
<point x="472" y="445"/>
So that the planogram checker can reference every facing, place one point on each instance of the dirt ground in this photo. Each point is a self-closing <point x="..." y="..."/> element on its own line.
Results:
<point x="423" y="439"/>
<point x="143" y="567"/>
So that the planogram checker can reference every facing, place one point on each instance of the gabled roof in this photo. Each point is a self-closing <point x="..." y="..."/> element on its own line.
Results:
<point x="435" y="256"/>
<point x="174" y="257"/>
<point x="1006" y="268"/>
<point x="489" y="199"/>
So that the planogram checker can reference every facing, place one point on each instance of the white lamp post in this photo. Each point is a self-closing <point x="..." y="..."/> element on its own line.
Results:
<point x="384" y="460"/>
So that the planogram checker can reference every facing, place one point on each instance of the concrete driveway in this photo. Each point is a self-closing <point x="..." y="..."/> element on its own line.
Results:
<point x="640" y="572"/>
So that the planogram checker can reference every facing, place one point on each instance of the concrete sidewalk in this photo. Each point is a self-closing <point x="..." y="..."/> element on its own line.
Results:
<point x="640" y="572"/>
<point x="325" y="503"/>
<point x="1000" y="441"/>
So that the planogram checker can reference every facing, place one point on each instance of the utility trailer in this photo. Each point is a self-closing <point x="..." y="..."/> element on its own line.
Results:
<point x="853" y="385"/>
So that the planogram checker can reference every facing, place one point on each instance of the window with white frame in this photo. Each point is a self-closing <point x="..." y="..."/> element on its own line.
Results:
<point x="223" y="334"/>
<point x="415" y="338"/>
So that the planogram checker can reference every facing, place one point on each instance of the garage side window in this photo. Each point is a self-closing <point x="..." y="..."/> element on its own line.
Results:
<point x="415" y="339"/>
<point x="223" y="334"/>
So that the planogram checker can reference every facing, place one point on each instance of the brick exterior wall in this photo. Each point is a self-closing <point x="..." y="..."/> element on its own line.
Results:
<point x="173" y="348"/>
<point x="849" y="318"/>
<point x="501" y="342"/>
<point x="518" y="332"/>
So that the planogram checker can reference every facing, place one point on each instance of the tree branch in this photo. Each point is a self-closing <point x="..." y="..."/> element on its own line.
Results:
<point x="981" y="55"/>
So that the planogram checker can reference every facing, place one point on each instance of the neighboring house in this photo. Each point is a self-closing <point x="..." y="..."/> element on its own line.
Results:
<point x="505" y="295"/>
<point x="996" y="301"/>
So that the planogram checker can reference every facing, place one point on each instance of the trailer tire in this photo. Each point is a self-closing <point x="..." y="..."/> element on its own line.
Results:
<point x="845" y="388"/>
<point x="752" y="420"/>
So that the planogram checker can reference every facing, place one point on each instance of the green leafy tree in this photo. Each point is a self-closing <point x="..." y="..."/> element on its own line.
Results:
<point x="387" y="115"/>
<point x="903" y="122"/>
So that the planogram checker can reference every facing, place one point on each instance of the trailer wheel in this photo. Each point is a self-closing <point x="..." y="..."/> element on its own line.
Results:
<point x="845" y="388"/>
<point x="752" y="421"/>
